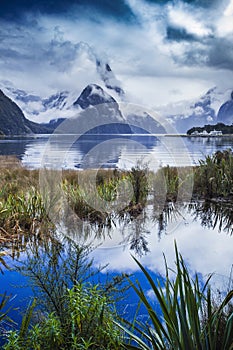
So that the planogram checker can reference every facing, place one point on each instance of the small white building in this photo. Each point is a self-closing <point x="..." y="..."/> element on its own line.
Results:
<point x="195" y="133"/>
<point x="205" y="133"/>
<point x="215" y="133"/>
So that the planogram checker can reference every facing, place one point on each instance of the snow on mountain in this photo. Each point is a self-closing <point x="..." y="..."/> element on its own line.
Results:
<point x="199" y="112"/>
<point x="225" y="113"/>
<point x="101" y="105"/>
<point x="97" y="113"/>
<point x="39" y="109"/>
<point x="214" y="106"/>
<point x="60" y="104"/>
<point x="93" y="95"/>
<point x="109" y="78"/>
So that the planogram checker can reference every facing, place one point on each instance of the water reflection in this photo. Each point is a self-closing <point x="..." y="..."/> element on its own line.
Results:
<point x="130" y="231"/>
<point x="134" y="232"/>
<point x="125" y="150"/>
<point x="203" y="231"/>
<point x="203" y="248"/>
<point x="213" y="215"/>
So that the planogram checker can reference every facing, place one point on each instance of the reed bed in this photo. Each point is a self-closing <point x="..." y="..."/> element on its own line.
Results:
<point x="23" y="209"/>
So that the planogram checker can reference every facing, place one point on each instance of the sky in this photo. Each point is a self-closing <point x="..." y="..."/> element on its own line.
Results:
<point x="161" y="51"/>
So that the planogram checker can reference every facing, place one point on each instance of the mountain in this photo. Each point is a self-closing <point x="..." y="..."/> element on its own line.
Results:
<point x="13" y="121"/>
<point x="225" y="113"/>
<point x="109" y="78"/>
<point x="100" y="111"/>
<point x="41" y="109"/>
<point x="93" y="95"/>
<point x="142" y="122"/>
<point x="103" y="107"/>
<point x="205" y="110"/>
<point x="129" y="119"/>
<point x="103" y="69"/>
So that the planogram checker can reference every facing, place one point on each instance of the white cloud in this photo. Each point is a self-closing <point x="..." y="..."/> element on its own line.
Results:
<point x="224" y="25"/>
<point x="44" y="55"/>
<point x="182" y="16"/>
<point x="201" y="248"/>
<point x="229" y="9"/>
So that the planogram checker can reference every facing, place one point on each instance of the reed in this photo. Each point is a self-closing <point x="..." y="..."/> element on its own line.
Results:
<point x="23" y="208"/>
<point x="214" y="176"/>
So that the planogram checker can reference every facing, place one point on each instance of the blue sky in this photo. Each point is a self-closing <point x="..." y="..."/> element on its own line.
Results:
<point x="161" y="51"/>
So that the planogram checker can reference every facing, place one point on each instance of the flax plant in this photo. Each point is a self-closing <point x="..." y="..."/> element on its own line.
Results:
<point x="188" y="319"/>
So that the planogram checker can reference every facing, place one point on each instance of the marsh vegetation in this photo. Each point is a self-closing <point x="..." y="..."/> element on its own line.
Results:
<point x="73" y="309"/>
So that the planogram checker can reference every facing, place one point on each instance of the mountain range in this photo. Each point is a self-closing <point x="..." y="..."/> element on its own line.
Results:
<point x="22" y="112"/>
<point x="93" y="102"/>
<point x="213" y="107"/>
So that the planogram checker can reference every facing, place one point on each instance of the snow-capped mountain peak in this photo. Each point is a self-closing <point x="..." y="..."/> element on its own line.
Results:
<point x="204" y="110"/>
<point x="93" y="95"/>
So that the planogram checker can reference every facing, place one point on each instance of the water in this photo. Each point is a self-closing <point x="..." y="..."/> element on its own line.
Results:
<point x="202" y="231"/>
<point x="107" y="151"/>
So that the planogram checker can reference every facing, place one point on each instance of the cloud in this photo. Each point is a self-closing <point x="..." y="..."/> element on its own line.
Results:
<point x="224" y="25"/>
<point x="82" y="8"/>
<point x="181" y="16"/>
<point x="193" y="240"/>
<point x="157" y="48"/>
<point x="229" y="9"/>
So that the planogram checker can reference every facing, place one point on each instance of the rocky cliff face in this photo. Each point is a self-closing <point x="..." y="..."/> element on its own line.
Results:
<point x="102" y="110"/>
<point x="225" y="114"/>
<point x="13" y="121"/>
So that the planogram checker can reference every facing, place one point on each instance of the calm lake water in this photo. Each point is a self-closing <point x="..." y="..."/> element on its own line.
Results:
<point x="203" y="231"/>
<point x="75" y="151"/>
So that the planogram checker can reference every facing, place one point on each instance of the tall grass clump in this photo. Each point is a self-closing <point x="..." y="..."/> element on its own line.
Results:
<point x="139" y="179"/>
<point x="214" y="176"/>
<point x="188" y="316"/>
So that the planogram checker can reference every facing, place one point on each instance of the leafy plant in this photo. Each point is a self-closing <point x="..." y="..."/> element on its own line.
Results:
<point x="187" y="318"/>
<point x="88" y="323"/>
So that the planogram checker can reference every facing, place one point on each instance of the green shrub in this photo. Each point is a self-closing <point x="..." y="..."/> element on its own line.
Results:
<point x="88" y="324"/>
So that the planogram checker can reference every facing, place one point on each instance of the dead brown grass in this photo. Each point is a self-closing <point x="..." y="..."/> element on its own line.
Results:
<point x="10" y="162"/>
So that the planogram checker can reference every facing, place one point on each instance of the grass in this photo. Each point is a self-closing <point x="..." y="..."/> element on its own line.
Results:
<point x="105" y="195"/>
<point x="214" y="176"/>
<point x="74" y="311"/>
<point x="185" y="315"/>
<point x="188" y="318"/>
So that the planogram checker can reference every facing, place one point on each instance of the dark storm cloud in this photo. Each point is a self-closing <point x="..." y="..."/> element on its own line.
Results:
<point x="15" y="10"/>
<point x="218" y="56"/>
<point x="221" y="54"/>
<point x="177" y="34"/>
<point x="148" y="43"/>
<point x="201" y="3"/>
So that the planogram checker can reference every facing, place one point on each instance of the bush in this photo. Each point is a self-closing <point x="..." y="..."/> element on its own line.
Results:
<point x="89" y="324"/>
